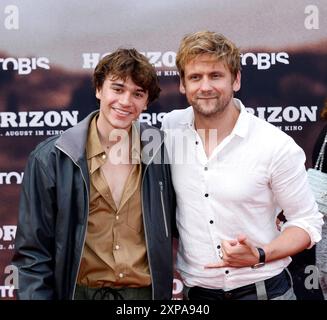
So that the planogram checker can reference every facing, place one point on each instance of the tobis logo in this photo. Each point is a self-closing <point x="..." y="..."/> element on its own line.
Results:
<point x="24" y="65"/>
<point x="264" y="60"/>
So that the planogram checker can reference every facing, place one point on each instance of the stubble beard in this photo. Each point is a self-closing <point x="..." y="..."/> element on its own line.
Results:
<point x="216" y="107"/>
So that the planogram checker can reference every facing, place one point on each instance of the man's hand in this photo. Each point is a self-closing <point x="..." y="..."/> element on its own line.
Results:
<point x="236" y="253"/>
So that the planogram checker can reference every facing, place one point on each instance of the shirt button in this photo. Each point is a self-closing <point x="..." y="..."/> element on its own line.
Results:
<point x="206" y="195"/>
<point x="103" y="156"/>
<point x="205" y="168"/>
<point x="211" y="221"/>
<point x="121" y="275"/>
<point x="117" y="247"/>
<point x="218" y="247"/>
<point x="117" y="217"/>
<point x="226" y="272"/>
<point x="196" y="142"/>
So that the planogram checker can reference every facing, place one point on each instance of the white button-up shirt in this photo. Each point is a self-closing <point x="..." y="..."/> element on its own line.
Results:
<point x="251" y="176"/>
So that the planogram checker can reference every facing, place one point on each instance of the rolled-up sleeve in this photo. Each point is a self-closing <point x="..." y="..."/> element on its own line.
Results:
<point x="290" y="186"/>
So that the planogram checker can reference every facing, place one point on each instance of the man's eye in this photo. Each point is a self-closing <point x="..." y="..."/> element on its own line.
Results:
<point x="194" y="77"/>
<point x="139" y="94"/>
<point x="216" y="76"/>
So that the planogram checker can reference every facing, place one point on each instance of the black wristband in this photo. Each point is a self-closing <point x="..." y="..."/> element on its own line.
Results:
<point x="262" y="255"/>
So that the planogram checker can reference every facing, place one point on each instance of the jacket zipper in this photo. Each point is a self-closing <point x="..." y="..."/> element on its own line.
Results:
<point x="145" y="232"/>
<point x="87" y="192"/>
<point x="144" y="224"/>
<point x="163" y="206"/>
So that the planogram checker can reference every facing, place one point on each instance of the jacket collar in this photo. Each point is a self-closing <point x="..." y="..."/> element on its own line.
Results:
<point x="73" y="140"/>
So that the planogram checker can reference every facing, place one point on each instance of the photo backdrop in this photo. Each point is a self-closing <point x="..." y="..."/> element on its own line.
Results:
<point x="49" y="49"/>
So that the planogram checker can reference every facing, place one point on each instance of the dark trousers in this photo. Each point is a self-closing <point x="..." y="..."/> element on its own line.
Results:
<point x="276" y="288"/>
<point x="107" y="293"/>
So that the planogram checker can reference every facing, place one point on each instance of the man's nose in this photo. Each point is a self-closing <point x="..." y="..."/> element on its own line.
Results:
<point x="125" y="99"/>
<point x="205" y="85"/>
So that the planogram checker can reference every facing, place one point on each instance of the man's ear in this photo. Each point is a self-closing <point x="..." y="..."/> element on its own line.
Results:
<point x="98" y="93"/>
<point x="145" y="107"/>
<point x="237" y="82"/>
<point x="182" y="86"/>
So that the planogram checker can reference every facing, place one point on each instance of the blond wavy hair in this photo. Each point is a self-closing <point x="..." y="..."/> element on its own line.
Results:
<point x="208" y="42"/>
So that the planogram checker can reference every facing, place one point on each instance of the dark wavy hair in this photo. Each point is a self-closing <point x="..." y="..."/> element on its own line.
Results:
<point x="124" y="63"/>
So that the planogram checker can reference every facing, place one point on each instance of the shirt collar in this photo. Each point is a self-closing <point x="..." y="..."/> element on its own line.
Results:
<point x="241" y="126"/>
<point x="188" y="119"/>
<point x="136" y="143"/>
<point x="94" y="147"/>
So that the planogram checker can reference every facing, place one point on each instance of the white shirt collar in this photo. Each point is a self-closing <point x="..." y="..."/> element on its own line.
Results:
<point x="240" y="129"/>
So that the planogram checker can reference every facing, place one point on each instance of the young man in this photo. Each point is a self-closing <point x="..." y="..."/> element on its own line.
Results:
<point x="234" y="174"/>
<point x="97" y="202"/>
